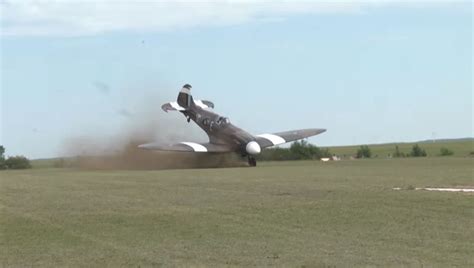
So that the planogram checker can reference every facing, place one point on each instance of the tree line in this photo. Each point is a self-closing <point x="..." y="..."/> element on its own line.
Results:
<point x="416" y="151"/>
<point x="302" y="150"/>
<point x="13" y="162"/>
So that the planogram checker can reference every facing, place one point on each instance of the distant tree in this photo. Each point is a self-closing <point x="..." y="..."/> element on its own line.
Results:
<point x="417" y="151"/>
<point x="397" y="152"/>
<point x="2" y="157"/>
<point x="17" y="162"/>
<point x="304" y="150"/>
<point x="363" y="152"/>
<point x="445" y="152"/>
<point x="300" y="150"/>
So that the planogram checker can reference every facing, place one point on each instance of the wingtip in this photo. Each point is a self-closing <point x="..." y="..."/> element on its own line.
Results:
<point x="319" y="130"/>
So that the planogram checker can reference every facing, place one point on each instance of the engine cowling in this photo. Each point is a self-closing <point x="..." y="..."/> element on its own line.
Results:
<point x="253" y="148"/>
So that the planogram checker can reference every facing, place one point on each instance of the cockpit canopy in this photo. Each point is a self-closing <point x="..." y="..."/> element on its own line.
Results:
<point x="223" y="120"/>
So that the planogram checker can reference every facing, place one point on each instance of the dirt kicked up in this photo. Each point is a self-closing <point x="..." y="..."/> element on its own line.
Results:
<point x="134" y="158"/>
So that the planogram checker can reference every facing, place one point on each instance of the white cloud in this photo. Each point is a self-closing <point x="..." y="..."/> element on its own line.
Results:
<point x="86" y="17"/>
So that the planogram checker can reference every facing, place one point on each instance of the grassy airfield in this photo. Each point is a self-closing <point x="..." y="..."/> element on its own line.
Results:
<point x="294" y="214"/>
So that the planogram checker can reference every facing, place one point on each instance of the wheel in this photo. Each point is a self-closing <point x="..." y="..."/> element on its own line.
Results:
<point x="252" y="162"/>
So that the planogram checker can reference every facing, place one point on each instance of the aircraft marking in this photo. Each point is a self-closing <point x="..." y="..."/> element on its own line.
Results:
<point x="196" y="146"/>
<point x="273" y="138"/>
<point x="185" y="90"/>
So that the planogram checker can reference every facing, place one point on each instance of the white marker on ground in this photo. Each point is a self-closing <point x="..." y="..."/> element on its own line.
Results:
<point x="465" y="190"/>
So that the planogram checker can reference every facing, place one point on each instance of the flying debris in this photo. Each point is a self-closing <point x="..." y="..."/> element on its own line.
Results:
<point x="224" y="137"/>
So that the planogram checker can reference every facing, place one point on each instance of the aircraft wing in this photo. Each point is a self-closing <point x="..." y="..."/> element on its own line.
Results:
<point x="188" y="147"/>
<point x="268" y="140"/>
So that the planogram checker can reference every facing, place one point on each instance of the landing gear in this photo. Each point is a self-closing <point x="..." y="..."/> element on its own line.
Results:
<point x="252" y="161"/>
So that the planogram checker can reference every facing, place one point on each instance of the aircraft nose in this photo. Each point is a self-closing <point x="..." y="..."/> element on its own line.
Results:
<point x="253" y="148"/>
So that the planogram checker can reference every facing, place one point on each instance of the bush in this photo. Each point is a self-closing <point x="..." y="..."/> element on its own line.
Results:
<point x="304" y="150"/>
<point x="299" y="150"/>
<point x="2" y="158"/>
<point x="417" y="151"/>
<point x="17" y="162"/>
<point x="363" y="152"/>
<point x="445" y="152"/>
<point x="397" y="152"/>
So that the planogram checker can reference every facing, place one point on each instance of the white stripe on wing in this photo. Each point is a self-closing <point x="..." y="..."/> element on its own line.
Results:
<point x="196" y="146"/>
<point x="273" y="138"/>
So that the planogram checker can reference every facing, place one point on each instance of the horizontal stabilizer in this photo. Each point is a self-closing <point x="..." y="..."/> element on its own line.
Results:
<point x="172" y="106"/>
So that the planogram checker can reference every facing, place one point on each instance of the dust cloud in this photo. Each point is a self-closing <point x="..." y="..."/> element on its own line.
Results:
<point x="145" y="122"/>
<point x="133" y="158"/>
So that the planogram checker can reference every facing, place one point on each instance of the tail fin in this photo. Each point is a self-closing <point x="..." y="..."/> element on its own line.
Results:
<point x="184" y="102"/>
<point x="185" y="99"/>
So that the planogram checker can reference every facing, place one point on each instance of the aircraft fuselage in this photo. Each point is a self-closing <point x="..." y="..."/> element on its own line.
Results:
<point x="219" y="129"/>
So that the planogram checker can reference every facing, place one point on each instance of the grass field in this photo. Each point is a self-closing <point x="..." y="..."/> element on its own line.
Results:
<point x="278" y="214"/>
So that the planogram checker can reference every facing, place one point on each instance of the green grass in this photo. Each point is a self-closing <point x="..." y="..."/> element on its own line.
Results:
<point x="300" y="213"/>
<point x="461" y="148"/>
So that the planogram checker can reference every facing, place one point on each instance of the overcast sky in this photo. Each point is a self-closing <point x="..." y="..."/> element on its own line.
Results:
<point x="369" y="72"/>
